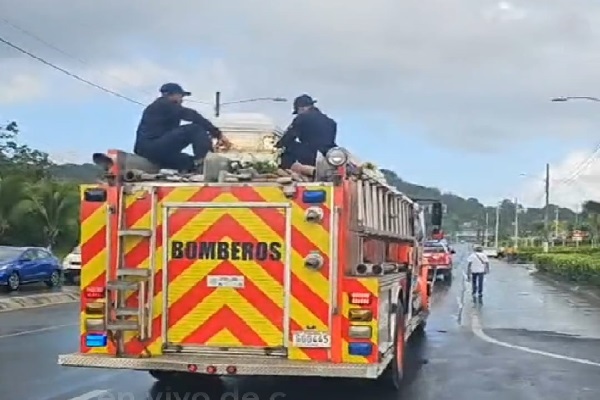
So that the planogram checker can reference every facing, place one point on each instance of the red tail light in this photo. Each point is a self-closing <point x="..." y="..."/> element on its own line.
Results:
<point x="95" y="292"/>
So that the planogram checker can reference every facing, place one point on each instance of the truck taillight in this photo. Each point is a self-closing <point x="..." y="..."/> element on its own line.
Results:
<point x="360" y="315"/>
<point x="360" y="349"/>
<point x="96" y="340"/>
<point x="363" y="299"/>
<point x="95" y="292"/>
<point x="95" y="325"/>
<point x="360" y="332"/>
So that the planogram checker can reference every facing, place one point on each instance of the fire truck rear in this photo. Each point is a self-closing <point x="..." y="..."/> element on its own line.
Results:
<point x="225" y="274"/>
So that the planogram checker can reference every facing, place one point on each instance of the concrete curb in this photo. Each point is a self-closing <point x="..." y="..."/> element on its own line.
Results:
<point x="583" y="290"/>
<point x="571" y="287"/>
<point x="13" y="303"/>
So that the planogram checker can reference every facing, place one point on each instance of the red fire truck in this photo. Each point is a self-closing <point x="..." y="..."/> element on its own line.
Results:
<point x="210" y="276"/>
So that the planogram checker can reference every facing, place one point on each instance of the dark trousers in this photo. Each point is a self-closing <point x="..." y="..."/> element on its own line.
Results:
<point x="477" y="282"/>
<point x="166" y="151"/>
<point x="298" y="152"/>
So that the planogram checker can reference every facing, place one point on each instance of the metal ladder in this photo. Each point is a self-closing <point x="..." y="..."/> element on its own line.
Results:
<point x="129" y="279"/>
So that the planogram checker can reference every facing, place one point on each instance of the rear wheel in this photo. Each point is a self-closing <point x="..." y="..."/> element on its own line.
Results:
<point x="393" y="374"/>
<point x="54" y="280"/>
<point x="13" y="283"/>
<point x="171" y="377"/>
<point x="448" y="276"/>
<point x="420" y="329"/>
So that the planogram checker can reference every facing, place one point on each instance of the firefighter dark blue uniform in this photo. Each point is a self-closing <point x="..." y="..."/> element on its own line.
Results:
<point x="309" y="133"/>
<point x="161" y="139"/>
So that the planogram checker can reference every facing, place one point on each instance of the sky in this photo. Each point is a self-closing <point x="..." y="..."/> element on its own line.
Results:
<point x="447" y="93"/>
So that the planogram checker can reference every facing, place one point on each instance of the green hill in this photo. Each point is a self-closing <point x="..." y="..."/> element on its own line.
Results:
<point x="461" y="213"/>
<point x="470" y="213"/>
<point x="80" y="173"/>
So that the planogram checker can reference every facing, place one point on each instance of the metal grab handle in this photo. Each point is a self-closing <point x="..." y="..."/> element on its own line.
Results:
<point x="142" y="310"/>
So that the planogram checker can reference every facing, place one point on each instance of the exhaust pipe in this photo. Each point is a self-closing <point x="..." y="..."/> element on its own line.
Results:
<point x="134" y="175"/>
<point x="103" y="161"/>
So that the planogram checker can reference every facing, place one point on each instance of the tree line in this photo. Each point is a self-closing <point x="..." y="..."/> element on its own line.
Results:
<point x="36" y="209"/>
<point x="469" y="213"/>
<point x="39" y="201"/>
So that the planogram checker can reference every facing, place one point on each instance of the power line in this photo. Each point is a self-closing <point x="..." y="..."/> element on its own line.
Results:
<point x="41" y="40"/>
<point x="66" y="72"/>
<point x="58" y="49"/>
<point x="578" y="170"/>
<point x="69" y="55"/>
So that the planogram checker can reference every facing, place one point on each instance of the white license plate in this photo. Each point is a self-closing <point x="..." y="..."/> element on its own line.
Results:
<point x="232" y="281"/>
<point x="311" y="339"/>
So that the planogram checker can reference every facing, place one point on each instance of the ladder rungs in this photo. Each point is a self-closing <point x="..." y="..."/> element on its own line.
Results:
<point x="135" y="232"/>
<point x="135" y="272"/>
<point x="123" y="326"/>
<point x="122" y="285"/>
<point x="127" y="312"/>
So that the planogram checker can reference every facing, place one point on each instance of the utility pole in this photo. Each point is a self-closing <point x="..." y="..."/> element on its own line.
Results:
<point x="497" y="227"/>
<point x="486" y="234"/>
<point x="546" y="210"/>
<point x="217" y="104"/>
<point x="516" y="238"/>
<point x="556" y="223"/>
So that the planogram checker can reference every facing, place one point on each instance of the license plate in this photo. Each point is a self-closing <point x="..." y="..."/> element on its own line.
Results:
<point x="311" y="339"/>
<point x="231" y="281"/>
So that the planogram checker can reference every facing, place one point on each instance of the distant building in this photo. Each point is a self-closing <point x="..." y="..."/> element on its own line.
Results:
<point x="468" y="235"/>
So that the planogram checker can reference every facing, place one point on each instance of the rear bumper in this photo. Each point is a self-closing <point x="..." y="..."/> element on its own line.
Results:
<point x="72" y="271"/>
<point x="438" y="270"/>
<point x="247" y="366"/>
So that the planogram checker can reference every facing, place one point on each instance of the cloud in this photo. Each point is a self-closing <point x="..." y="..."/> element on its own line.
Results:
<point x="19" y="84"/>
<point x="469" y="73"/>
<point x="572" y="181"/>
<point x="69" y="157"/>
<point x="140" y="79"/>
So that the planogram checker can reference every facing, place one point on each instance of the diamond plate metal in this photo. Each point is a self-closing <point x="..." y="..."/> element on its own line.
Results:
<point x="249" y="366"/>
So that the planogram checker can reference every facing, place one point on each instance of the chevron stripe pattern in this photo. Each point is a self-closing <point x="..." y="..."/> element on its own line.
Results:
<point x="198" y="313"/>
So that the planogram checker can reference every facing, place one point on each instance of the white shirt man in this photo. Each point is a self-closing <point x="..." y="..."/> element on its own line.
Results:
<point x="477" y="266"/>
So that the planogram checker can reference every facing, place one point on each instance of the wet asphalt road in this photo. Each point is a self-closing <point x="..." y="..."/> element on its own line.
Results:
<point x="33" y="288"/>
<point x="529" y="340"/>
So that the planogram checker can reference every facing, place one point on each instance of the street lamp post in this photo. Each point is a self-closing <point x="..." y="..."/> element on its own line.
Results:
<point x="486" y="232"/>
<point x="516" y="223"/>
<point x="567" y="98"/>
<point x="497" y="227"/>
<point x="218" y="104"/>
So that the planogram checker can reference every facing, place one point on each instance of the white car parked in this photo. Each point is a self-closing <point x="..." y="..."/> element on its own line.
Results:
<point x="490" y="252"/>
<point x="72" y="266"/>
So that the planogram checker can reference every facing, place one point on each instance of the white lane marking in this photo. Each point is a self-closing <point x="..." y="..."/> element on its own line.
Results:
<point x="478" y="331"/>
<point x="31" y="331"/>
<point x="90" y="395"/>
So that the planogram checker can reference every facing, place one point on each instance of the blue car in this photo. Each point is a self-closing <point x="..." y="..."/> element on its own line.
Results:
<point x="21" y="265"/>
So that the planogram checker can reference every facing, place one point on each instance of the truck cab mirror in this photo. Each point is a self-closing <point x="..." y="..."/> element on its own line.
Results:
<point x="436" y="214"/>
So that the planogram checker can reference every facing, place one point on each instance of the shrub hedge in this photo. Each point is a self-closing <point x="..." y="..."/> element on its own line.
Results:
<point x="583" y="268"/>
<point x="525" y="254"/>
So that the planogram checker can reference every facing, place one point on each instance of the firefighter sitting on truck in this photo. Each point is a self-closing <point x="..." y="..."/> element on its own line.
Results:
<point x="161" y="139"/>
<point x="310" y="132"/>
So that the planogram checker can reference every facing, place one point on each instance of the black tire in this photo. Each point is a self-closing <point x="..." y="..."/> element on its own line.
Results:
<point x="54" y="280"/>
<point x="69" y="279"/>
<point x="391" y="378"/>
<point x="13" y="282"/>
<point x="420" y="329"/>
<point x="162" y="375"/>
<point x="176" y="378"/>
<point x="448" y="276"/>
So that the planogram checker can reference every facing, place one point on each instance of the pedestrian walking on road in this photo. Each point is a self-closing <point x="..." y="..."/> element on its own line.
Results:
<point x="478" y="265"/>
